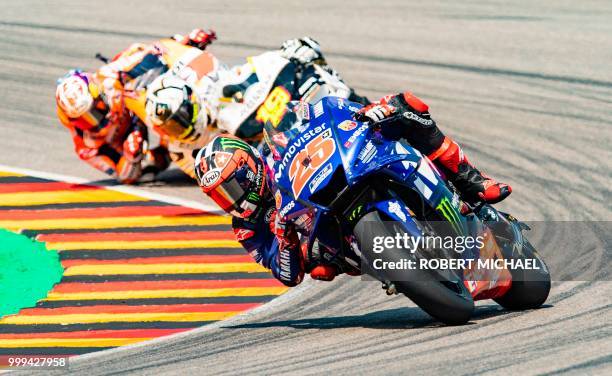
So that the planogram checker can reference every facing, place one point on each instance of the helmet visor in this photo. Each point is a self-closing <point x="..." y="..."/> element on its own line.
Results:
<point x="233" y="193"/>
<point x="93" y="118"/>
<point x="229" y="194"/>
<point x="180" y="124"/>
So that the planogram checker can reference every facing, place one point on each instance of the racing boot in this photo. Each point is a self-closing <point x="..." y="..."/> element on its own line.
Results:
<point x="473" y="185"/>
<point x="155" y="160"/>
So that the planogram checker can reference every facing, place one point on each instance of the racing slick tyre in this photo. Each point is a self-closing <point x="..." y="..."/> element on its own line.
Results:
<point x="530" y="287"/>
<point x="448" y="302"/>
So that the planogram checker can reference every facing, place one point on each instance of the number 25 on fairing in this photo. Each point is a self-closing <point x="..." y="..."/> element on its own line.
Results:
<point x="309" y="160"/>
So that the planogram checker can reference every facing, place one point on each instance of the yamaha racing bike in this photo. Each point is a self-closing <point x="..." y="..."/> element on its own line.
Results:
<point x="343" y="186"/>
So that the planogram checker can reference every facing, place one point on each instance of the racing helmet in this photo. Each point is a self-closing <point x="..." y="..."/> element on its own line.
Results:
<point x="231" y="173"/>
<point x="175" y="109"/>
<point x="77" y="96"/>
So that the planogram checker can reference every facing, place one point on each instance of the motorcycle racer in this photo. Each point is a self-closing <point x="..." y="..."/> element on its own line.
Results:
<point x="240" y="100"/>
<point x="105" y="133"/>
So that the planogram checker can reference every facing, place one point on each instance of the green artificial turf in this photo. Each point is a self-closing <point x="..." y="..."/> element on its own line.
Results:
<point x="27" y="272"/>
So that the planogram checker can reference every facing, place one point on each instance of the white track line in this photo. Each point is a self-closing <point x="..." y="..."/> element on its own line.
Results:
<point x="118" y="188"/>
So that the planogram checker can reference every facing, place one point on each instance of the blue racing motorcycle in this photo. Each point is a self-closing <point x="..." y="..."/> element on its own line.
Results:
<point x="348" y="190"/>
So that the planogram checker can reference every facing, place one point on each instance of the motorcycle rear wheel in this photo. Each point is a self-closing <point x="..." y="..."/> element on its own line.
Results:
<point x="530" y="287"/>
<point x="450" y="303"/>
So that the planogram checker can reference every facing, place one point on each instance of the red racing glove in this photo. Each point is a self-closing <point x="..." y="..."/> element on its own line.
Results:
<point x="85" y="153"/>
<point x="285" y="234"/>
<point x="134" y="147"/>
<point x="201" y="38"/>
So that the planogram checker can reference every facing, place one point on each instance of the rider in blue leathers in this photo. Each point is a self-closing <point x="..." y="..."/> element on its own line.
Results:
<point x="234" y="175"/>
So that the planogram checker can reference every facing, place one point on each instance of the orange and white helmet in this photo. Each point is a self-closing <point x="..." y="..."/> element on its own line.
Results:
<point x="72" y="94"/>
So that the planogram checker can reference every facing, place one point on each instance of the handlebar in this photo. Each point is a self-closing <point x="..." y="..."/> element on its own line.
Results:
<point x="380" y="124"/>
<point x="102" y="58"/>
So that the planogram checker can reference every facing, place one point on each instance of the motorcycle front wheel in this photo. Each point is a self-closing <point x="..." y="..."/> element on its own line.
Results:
<point x="447" y="301"/>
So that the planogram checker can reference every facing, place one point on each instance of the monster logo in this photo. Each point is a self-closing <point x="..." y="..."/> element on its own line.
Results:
<point x="450" y="213"/>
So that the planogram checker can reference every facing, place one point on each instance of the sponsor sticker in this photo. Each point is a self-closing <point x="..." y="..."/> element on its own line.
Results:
<point x="320" y="177"/>
<point x="243" y="234"/>
<point x="318" y="109"/>
<point x="367" y="153"/>
<point x="285" y="264"/>
<point x="417" y="118"/>
<point x="268" y="215"/>
<point x="302" y="110"/>
<point x="278" y="199"/>
<point x="347" y="125"/>
<point x="283" y="212"/>
<point x="222" y="158"/>
<point x="256" y="256"/>
<point x="211" y="177"/>
<point x="357" y="133"/>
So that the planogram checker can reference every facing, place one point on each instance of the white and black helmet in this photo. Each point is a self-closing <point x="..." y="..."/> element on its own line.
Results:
<point x="174" y="108"/>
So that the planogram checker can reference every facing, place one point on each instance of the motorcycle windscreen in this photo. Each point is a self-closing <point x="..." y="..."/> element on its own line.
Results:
<point x="277" y="136"/>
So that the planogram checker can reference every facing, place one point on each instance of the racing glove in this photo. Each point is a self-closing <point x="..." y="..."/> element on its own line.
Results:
<point x="134" y="147"/>
<point x="285" y="233"/>
<point x="375" y="112"/>
<point x="410" y="114"/>
<point x="87" y="153"/>
<point x="199" y="38"/>
<point x="303" y="50"/>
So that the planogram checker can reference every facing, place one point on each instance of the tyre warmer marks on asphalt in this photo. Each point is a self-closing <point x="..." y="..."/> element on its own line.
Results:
<point x="135" y="268"/>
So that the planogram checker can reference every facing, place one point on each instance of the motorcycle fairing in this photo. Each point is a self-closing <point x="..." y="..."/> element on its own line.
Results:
<point x="398" y="211"/>
<point x="254" y="81"/>
<point x="357" y="151"/>
<point x="363" y="153"/>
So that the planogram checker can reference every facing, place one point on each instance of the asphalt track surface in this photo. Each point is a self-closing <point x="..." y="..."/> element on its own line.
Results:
<point x="526" y="88"/>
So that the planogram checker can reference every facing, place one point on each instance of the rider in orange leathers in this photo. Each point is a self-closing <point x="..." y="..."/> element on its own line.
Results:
<point x="105" y="133"/>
